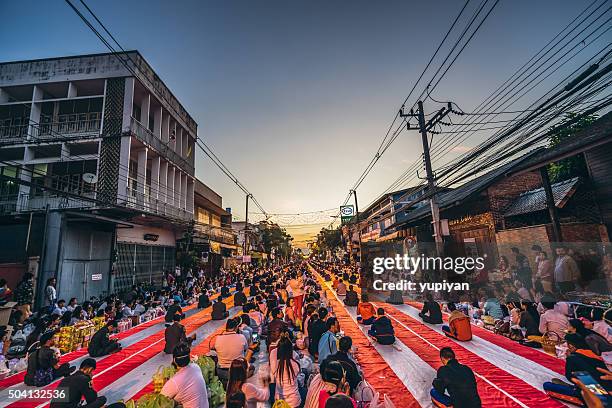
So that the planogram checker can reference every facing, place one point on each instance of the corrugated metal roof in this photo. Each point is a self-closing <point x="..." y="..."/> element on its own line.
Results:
<point x="455" y="196"/>
<point x="535" y="200"/>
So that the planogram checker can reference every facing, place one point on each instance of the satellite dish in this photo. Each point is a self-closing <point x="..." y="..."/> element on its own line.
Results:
<point x="90" y="178"/>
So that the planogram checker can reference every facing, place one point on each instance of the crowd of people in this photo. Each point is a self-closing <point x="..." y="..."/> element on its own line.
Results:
<point x="284" y="316"/>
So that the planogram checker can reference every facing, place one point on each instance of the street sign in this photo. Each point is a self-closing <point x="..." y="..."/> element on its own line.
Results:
<point x="96" y="277"/>
<point x="347" y="212"/>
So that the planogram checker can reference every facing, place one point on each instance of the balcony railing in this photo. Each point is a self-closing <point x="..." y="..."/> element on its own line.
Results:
<point x="77" y="125"/>
<point x="215" y="233"/>
<point x="72" y="125"/>
<point x="25" y="202"/>
<point x="147" y="137"/>
<point x="13" y="133"/>
<point x="143" y="201"/>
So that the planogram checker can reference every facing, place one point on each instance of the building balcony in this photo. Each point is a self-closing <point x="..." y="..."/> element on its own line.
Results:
<point x="76" y="125"/>
<point x="69" y="126"/>
<point x="148" y="138"/>
<point x="214" y="233"/>
<point x="26" y="202"/>
<point x="144" y="202"/>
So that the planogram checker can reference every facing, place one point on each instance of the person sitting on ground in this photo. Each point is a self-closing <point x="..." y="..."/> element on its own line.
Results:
<point x="187" y="387"/>
<point x="316" y="328"/>
<point x="225" y="292"/>
<point x="529" y="319"/>
<point x="239" y="297"/>
<point x="343" y="356"/>
<point x="491" y="306"/>
<point x="456" y="379"/>
<point x="596" y="342"/>
<point x="600" y="324"/>
<point x="522" y="290"/>
<point x="43" y="364"/>
<point x="60" y="307"/>
<point x="245" y="327"/>
<point x="365" y="311"/>
<point x="203" y="301"/>
<point x="328" y="343"/>
<point x="176" y="334"/>
<point x="431" y="312"/>
<point x="229" y="346"/>
<point x="395" y="298"/>
<point x="552" y="320"/>
<point x="284" y="370"/>
<point x="351" y="299"/>
<point x="459" y="327"/>
<point x="78" y="386"/>
<point x="335" y="383"/>
<point x="276" y="326"/>
<point x="579" y="358"/>
<point x="238" y="374"/>
<point x="173" y="309"/>
<point x="340" y="401"/>
<point x="101" y="344"/>
<point x="382" y="328"/>
<point x="219" y="310"/>
<point x="236" y="400"/>
<point x="341" y="288"/>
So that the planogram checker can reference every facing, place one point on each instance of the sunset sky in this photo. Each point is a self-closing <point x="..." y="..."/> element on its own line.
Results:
<point x="293" y="96"/>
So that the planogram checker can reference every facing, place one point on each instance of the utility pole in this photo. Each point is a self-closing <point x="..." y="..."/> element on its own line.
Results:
<point x="245" y="248"/>
<point x="424" y="127"/>
<point x="358" y="226"/>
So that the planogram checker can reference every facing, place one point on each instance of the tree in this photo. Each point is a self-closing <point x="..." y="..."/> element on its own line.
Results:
<point x="275" y="239"/>
<point x="574" y="166"/>
<point x="329" y="239"/>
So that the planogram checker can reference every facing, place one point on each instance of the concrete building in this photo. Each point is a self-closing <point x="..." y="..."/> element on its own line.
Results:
<point x="96" y="172"/>
<point x="213" y="234"/>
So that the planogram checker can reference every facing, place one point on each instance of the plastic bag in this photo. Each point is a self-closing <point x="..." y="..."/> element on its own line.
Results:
<point x="281" y="404"/>
<point x="375" y="402"/>
<point x="364" y="394"/>
<point x="207" y="365"/>
<point x="216" y="393"/>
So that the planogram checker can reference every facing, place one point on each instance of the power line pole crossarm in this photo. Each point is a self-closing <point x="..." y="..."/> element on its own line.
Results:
<point x="431" y="182"/>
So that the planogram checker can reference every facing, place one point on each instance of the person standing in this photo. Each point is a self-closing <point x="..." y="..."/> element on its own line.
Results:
<point x="24" y="295"/>
<point x="456" y="379"/>
<point x="523" y="270"/>
<point x="297" y="287"/>
<point x="566" y="271"/>
<point x="51" y="293"/>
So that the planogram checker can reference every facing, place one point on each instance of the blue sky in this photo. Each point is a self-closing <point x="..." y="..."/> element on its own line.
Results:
<point x="295" y="96"/>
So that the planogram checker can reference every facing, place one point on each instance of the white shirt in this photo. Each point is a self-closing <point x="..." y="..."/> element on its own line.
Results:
<point x="604" y="329"/>
<point x="286" y="389"/>
<point x="139" y="309"/>
<point x="230" y="346"/>
<point x="255" y="394"/>
<point x="187" y="387"/>
<point x="127" y="312"/>
<point x="60" y="310"/>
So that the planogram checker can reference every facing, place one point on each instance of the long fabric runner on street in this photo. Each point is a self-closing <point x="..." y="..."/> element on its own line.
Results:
<point x="507" y="373"/>
<point x="115" y="372"/>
